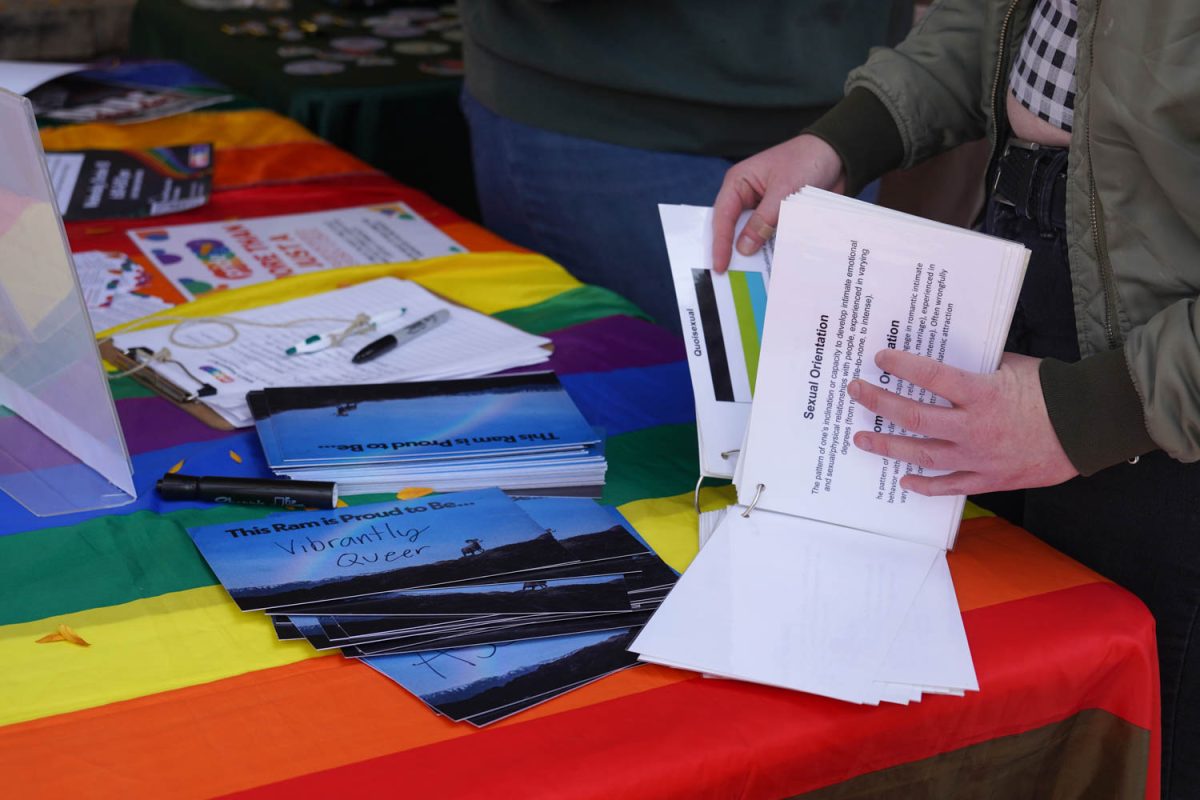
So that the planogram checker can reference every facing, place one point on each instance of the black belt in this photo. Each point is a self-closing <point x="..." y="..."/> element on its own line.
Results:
<point x="1032" y="179"/>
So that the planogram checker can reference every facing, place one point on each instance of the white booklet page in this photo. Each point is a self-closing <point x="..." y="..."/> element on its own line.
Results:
<point x="723" y="316"/>
<point x="791" y="603"/>
<point x="846" y="285"/>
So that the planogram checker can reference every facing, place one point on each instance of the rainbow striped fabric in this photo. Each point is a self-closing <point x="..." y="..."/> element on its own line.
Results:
<point x="181" y="695"/>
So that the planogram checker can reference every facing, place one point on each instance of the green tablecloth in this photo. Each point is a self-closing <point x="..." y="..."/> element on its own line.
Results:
<point x="396" y="117"/>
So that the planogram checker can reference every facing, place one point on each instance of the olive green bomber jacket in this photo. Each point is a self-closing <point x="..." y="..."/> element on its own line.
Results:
<point x="1133" y="195"/>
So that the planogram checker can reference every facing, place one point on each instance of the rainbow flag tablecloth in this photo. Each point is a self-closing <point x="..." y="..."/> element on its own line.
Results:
<point x="181" y="695"/>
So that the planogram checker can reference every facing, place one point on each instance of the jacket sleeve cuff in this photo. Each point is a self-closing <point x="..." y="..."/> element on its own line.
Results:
<point x="1095" y="410"/>
<point x="862" y="131"/>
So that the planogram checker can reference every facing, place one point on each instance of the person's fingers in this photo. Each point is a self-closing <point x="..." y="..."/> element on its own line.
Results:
<point x="754" y="234"/>
<point x="917" y="450"/>
<point x="761" y="225"/>
<point x="735" y="196"/>
<point x="955" y="483"/>
<point x="956" y="385"/>
<point x="924" y="418"/>
<point x="725" y="213"/>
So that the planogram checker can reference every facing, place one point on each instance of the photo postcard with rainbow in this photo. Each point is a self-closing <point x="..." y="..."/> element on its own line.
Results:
<point x="515" y="630"/>
<point x="310" y="556"/>
<point x="583" y="594"/>
<point x="424" y="422"/>
<point x="482" y="684"/>
<point x="493" y="609"/>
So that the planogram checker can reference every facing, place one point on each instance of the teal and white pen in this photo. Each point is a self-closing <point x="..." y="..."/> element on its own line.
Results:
<point x="321" y="341"/>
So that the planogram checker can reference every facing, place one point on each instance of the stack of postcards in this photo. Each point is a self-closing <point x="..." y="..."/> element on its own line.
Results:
<point x="516" y="432"/>
<point x="479" y="604"/>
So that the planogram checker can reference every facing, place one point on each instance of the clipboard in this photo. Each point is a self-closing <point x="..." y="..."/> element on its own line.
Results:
<point x="189" y="400"/>
<point x="190" y="391"/>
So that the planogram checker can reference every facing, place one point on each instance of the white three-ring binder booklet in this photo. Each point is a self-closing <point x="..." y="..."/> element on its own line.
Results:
<point x="828" y="576"/>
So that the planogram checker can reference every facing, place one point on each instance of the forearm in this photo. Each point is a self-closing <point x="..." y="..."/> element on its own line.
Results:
<point x="914" y="101"/>
<point x="864" y="135"/>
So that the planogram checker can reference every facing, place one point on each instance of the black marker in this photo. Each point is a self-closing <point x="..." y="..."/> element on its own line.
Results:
<point x="403" y="336"/>
<point x="250" y="491"/>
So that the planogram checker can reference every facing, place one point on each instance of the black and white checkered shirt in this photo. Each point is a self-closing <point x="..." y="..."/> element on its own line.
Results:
<point x="1043" y="74"/>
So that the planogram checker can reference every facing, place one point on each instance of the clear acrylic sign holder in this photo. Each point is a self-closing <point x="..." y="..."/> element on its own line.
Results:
<point x="61" y="447"/>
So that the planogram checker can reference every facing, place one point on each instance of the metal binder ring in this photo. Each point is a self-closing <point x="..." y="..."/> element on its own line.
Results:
<point x="699" y="481"/>
<point x="754" y="502"/>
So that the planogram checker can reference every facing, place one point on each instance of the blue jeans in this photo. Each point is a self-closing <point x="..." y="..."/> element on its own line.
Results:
<point x="590" y="206"/>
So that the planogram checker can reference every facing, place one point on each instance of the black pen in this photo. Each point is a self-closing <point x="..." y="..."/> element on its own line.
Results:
<point x="402" y="336"/>
<point x="251" y="491"/>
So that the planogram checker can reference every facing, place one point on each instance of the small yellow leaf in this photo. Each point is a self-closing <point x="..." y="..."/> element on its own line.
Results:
<point x="71" y="636"/>
<point x="412" y="493"/>
<point x="235" y="456"/>
<point x="176" y="468"/>
<point x="64" y="634"/>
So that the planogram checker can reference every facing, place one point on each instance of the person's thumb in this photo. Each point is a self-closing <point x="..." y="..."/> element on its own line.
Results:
<point x="761" y="225"/>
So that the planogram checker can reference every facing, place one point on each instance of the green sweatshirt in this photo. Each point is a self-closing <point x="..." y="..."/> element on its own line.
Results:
<point x="708" y="77"/>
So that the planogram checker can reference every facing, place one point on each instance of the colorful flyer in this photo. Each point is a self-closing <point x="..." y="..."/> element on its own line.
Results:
<point x="210" y="256"/>
<point x="128" y="184"/>
<point x="114" y="288"/>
